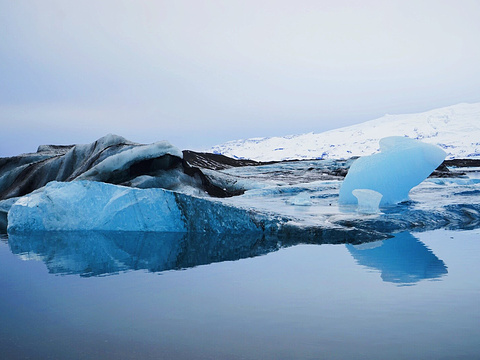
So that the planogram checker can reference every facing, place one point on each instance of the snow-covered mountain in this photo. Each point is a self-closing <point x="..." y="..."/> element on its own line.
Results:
<point x="455" y="128"/>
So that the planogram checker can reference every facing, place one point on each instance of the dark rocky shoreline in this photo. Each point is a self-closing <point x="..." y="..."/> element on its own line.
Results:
<point x="221" y="162"/>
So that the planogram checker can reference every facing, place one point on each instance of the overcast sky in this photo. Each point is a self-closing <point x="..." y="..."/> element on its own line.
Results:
<point x="199" y="73"/>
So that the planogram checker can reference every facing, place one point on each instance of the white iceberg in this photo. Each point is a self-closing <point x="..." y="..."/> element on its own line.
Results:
<point x="401" y="164"/>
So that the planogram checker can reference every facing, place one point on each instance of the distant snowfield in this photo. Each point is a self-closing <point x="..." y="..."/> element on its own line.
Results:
<point x="456" y="129"/>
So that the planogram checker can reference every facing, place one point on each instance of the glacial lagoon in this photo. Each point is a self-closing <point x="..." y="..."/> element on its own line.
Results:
<point x="330" y="283"/>
<point x="92" y="295"/>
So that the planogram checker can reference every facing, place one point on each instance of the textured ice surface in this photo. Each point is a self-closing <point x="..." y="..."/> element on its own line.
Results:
<point x="401" y="164"/>
<point x="434" y="203"/>
<point x="119" y="162"/>
<point x="110" y="159"/>
<point x="88" y="205"/>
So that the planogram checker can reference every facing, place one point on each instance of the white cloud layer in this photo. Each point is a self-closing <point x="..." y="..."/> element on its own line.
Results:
<point x="205" y="72"/>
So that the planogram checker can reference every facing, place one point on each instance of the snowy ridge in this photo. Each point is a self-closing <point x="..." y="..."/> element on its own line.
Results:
<point x="456" y="129"/>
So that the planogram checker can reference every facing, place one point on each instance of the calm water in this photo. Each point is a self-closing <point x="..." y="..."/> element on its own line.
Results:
<point x="146" y="296"/>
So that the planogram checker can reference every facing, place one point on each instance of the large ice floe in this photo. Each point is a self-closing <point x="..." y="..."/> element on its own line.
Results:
<point x="111" y="159"/>
<point x="91" y="205"/>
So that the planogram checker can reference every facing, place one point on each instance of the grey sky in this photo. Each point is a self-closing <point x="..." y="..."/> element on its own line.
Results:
<point x="198" y="73"/>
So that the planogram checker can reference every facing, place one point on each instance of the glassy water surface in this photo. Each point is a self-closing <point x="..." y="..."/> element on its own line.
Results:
<point x="177" y="296"/>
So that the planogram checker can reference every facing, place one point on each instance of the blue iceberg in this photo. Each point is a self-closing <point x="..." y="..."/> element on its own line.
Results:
<point x="401" y="164"/>
<point x="91" y="205"/>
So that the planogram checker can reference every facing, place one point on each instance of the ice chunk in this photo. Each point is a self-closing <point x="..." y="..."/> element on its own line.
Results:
<point x="5" y="206"/>
<point x="401" y="164"/>
<point x="368" y="200"/>
<point x="302" y="199"/>
<point x="89" y="205"/>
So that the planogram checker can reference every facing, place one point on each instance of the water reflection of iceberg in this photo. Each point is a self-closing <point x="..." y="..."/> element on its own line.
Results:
<point x="403" y="259"/>
<point x="102" y="253"/>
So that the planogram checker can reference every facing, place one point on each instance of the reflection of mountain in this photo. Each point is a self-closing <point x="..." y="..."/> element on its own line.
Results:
<point x="402" y="259"/>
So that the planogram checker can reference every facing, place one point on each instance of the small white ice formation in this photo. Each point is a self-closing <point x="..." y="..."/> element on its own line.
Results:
<point x="368" y="200"/>
<point x="401" y="164"/>
<point x="302" y="199"/>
